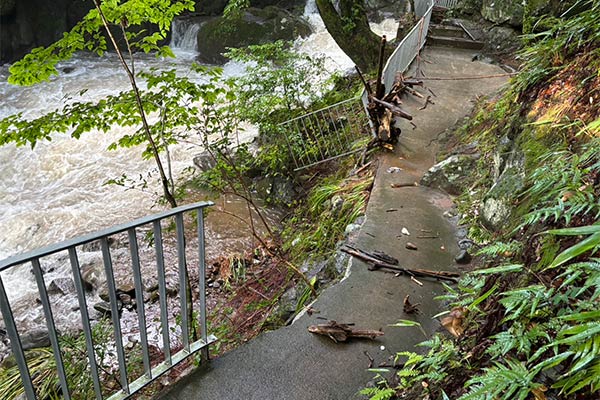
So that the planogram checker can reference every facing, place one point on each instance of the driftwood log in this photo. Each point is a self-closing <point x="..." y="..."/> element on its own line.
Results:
<point x="376" y="263"/>
<point x="342" y="332"/>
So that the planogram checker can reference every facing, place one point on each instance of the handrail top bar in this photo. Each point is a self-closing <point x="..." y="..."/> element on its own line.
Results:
<point x="64" y="245"/>
<point x="320" y="110"/>
<point x="405" y="38"/>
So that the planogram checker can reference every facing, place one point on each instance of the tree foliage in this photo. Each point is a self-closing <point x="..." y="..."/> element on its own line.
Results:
<point x="144" y="23"/>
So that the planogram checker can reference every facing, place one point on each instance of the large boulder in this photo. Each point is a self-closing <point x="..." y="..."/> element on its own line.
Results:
<point x="501" y="11"/>
<point x="378" y="10"/>
<point x="468" y="6"/>
<point x="451" y="174"/>
<point x="256" y="26"/>
<point x="509" y="180"/>
<point x="216" y="7"/>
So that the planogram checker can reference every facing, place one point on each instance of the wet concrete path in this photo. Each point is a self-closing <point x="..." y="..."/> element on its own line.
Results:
<point x="291" y="363"/>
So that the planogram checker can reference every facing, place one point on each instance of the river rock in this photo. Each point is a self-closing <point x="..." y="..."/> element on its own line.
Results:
<point x="509" y="176"/>
<point x="450" y="174"/>
<point x="285" y="309"/>
<point x="92" y="274"/>
<point x="276" y="189"/>
<point x="502" y="39"/>
<point x="378" y="10"/>
<point x="61" y="286"/>
<point x="256" y="26"/>
<point x="216" y="7"/>
<point x="104" y="309"/>
<point x="463" y="257"/>
<point x="204" y="161"/>
<point x="35" y="338"/>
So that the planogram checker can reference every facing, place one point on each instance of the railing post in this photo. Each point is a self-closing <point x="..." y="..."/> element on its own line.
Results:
<point x="202" y="281"/>
<point x="139" y="299"/>
<point x="116" y="319"/>
<point x="15" y="343"/>
<point x="85" y="321"/>
<point x="162" y="290"/>
<point x="39" y="278"/>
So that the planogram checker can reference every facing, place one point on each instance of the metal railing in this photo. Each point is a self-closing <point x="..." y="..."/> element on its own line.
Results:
<point x="446" y="3"/>
<point x="172" y="353"/>
<point x="325" y="134"/>
<point x="408" y="49"/>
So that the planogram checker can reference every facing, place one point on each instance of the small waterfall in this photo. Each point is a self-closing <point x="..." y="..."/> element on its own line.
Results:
<point x="184" y="34"/>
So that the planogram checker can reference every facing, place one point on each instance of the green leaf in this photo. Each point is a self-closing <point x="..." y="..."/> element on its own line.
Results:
<point x="585" y="245"/>
<point x="503" y="269"/>
<point x="580" y="230"/>
<point x="405" y="322"/>
<point x="583" y="316"/>
<point x="379" y="370"/>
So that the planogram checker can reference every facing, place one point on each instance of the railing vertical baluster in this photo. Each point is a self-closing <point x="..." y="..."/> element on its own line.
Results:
<point x="116" y="320"/>
<point x="183" y="281"/>
<point x="202" y="280"/>
<point x="314" y="138"/>
<point x="85" y="320"/>
<point x="39" y="278"/>
<point x="162" y="290"/>
<point x="351" y="120"/>
<point x="351" y="123"/>
<point x="139" y="299"/>
<point x="323" y="142"/>
<point x="304" y="154"/>
<point x="289" y="144"/>
<point x="15" y="343"/>
<point x="336" y="131"/>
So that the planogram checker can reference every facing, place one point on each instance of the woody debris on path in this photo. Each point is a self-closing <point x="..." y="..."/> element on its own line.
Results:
<point x="376" y="261"/>
<point x="342" y="332"/>
<point x="384" y="108"/>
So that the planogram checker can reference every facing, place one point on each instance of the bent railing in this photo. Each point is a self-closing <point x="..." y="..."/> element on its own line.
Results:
<point x="325" y="134"/>
<point x="410" y="46"/>
<point x="328" y="134"/>
<point x="446" y="3"/>
<point x="167" y="253"/>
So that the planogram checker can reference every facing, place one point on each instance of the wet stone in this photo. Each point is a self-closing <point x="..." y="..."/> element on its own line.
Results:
<point x="463" y="257"/>
<point x="61" y="286"/>
<point x="34" y="339"/>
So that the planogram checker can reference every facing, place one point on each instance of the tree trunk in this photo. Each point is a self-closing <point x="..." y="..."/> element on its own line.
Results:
<point x="350" y="29"/>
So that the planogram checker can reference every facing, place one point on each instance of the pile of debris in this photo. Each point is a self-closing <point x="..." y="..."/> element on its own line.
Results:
<point x="384" y="108"/>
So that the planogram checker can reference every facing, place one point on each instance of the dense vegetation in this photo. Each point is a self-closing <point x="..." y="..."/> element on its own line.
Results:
<point x="527" y="325"/>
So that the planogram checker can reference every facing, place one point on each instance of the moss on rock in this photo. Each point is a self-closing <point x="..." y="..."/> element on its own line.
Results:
<point x="256" y="26"/>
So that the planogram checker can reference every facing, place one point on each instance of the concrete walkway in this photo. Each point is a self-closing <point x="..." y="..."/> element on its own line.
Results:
<point x="291" y="363"/>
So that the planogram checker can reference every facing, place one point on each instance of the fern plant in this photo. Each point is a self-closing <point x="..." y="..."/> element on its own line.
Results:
<point x="508" y="249"/>
<point x="561" y="186"/>
<point x="509" y="381"/>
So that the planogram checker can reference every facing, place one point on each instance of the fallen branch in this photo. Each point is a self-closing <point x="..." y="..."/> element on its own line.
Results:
<point x="394" y="109"/>
<point x="375" y="264"/>
<point x="343" y="332"/>
<point x="365" y="84"/>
